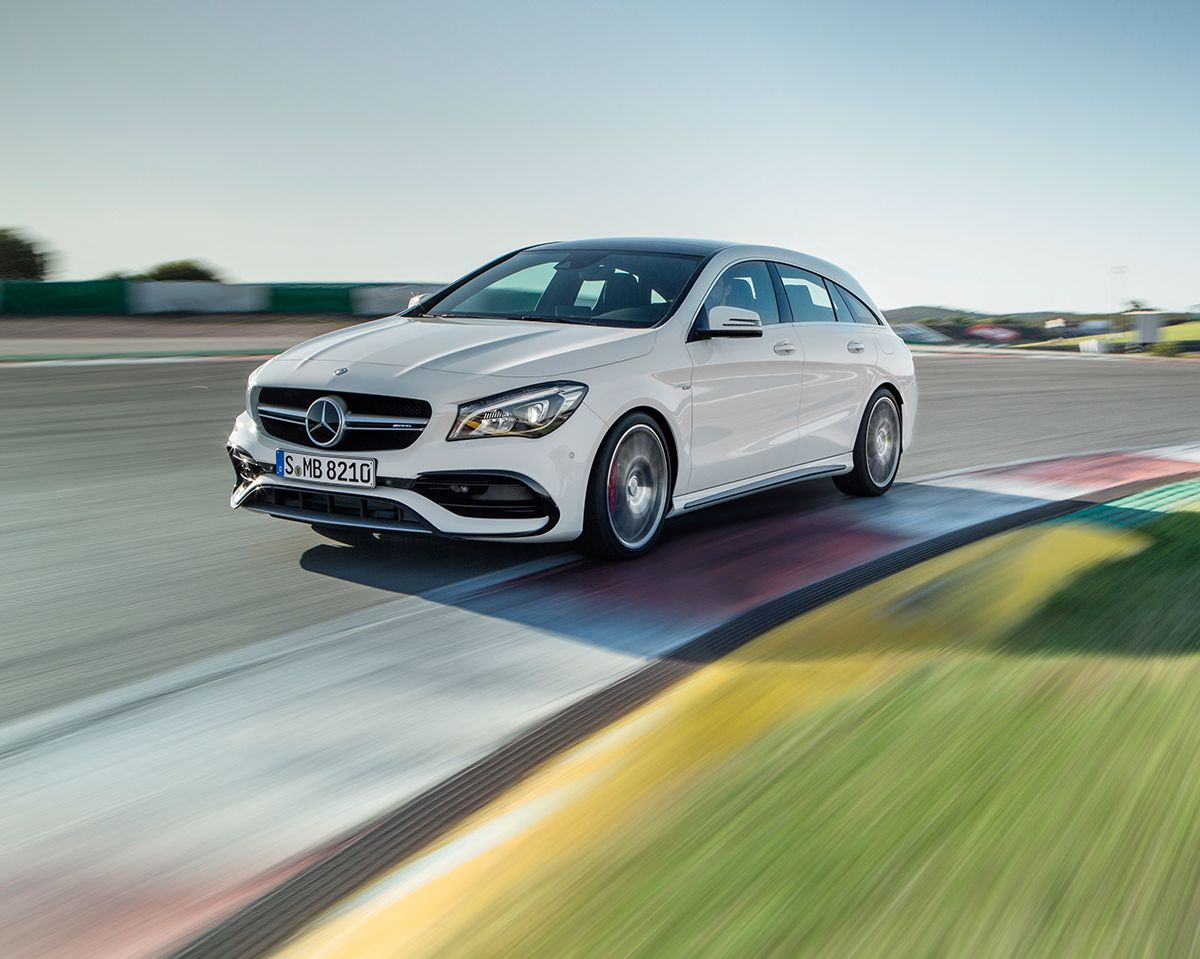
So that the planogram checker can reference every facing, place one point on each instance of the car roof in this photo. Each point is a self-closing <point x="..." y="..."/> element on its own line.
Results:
<point x="640" y="244"/>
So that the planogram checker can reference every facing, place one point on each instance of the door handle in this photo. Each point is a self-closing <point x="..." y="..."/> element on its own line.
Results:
<point x="783" y="347"/>
<point x="855" y="346"/>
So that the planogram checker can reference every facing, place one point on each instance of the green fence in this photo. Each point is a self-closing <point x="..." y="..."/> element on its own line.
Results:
<point x="311" y="298"/>
<point x="58" y="299"/>
<point x="126" y="297"/>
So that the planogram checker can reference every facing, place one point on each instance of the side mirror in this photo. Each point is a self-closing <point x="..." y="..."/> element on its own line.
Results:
<point x="731" y="321"/>
<point x="417" y="299"/>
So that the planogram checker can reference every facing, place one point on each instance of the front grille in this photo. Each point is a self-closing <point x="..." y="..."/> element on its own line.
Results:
<point x="352" y="441"/>
<point x="370" y="404"/>
<point x="349" y="509"/>
<point x="373" y="422"/>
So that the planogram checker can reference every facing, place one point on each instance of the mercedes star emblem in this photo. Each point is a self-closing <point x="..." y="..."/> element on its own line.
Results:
<point x="325" y="420"/>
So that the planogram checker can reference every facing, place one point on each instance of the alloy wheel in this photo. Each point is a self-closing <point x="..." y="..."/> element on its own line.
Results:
<point x="637" y="486"/>
<point x="883" y="441"/>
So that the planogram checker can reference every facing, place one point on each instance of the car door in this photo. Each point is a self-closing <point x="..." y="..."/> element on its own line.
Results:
<point x="745" y="390"/>
<point x="839" y="365"/>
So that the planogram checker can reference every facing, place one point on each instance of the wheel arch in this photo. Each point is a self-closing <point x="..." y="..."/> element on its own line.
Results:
<point x="600" y="540"/>
<point x="893" y="389"/>
<point x="898" y="396"/>
<point x="672" y="441"/>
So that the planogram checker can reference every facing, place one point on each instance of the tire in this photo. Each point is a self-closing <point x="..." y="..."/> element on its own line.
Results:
<point x="628" y="490"/>
<point x="877" y="448"/>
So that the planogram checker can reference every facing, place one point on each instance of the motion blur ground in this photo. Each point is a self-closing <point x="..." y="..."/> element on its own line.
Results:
<point x="77" y="339"/>
<point x="990" y="754"/>
<point x="159" y="576"/>
<point x="212" y="703"/>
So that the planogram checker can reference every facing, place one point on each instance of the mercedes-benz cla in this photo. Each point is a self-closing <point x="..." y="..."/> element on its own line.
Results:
<point x="590" y="390"/>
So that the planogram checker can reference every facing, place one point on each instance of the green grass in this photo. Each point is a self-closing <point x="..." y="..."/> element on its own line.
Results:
<point x="1040" y="797"/>
<point x="1146" y="605"/>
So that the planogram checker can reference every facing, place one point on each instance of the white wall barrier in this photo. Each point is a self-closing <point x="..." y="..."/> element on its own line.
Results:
<point x="386" y="300"/>
<point x="197" y="296"/>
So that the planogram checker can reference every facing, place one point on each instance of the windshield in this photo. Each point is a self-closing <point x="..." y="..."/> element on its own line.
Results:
<point x="596" y="287"/>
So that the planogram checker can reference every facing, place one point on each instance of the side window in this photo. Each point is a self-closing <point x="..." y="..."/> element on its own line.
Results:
<point x="858" y="309"/>
<point x="806" y="295"/>
<point x="746" y="286"/>
<point x="840" y="306"/>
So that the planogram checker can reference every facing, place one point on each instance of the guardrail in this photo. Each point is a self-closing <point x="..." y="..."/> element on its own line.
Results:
<point x="129" y="297"/>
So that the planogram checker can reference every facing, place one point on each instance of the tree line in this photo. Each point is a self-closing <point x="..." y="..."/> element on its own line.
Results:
<point x="24" y="258"/>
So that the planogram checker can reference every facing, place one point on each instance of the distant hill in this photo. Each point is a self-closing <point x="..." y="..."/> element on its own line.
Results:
<point x="930" y="314"/>
<point x="944" y="314"/>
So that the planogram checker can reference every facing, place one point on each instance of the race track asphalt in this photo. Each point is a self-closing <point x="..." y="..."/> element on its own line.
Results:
<point x="121" y="558"/>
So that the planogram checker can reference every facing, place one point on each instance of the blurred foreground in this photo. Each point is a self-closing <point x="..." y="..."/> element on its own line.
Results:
<point x="991" y="754"/>
<point x="196" y="706"/>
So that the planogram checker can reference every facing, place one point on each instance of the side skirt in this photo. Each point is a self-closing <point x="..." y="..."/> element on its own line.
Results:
<point x="690" y="502"/>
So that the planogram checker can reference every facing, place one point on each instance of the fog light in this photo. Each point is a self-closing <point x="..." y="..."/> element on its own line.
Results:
<point x="245" y="467"/>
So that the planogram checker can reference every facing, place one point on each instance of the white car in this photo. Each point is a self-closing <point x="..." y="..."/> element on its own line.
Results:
<point x="585" y="389"/>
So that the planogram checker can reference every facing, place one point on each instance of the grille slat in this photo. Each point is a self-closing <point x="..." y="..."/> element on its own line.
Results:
<point x="369" y="404"/>
<point x="275" y="403"/>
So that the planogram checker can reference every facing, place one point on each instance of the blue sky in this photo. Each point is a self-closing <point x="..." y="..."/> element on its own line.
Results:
<point x="993" y="156"/>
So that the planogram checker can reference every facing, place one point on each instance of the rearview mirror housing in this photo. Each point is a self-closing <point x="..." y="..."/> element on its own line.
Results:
<point x="730" y="321"/>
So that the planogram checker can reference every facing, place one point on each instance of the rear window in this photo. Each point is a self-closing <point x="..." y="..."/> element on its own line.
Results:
<point x="858" y="309"/>
<point x="807" y="295"/>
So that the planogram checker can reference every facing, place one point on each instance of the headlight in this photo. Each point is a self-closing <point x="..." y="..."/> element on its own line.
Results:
<point x="534" y="411"/>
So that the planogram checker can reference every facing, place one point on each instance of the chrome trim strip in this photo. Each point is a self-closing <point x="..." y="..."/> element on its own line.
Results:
<point x="282" y="413"/>
<point x="354" y="421"/>
<point x="362" y="421"/>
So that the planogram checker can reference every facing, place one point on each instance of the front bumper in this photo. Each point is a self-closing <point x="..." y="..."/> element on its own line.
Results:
<point x="499" y="488"/>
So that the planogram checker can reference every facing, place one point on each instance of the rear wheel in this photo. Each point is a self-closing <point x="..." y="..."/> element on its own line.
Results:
<point x="628" y="490"/>
<point x="876" y="449"/>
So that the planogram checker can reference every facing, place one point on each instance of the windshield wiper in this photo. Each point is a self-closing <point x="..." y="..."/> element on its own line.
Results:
<point x="551" y="319"/>
<point x="508" y="316"/>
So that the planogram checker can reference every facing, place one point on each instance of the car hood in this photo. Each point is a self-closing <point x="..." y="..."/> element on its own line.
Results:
<point x="481" y="347"/>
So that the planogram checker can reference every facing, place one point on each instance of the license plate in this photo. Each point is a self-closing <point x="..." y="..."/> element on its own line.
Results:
<point x="331" y="470"/>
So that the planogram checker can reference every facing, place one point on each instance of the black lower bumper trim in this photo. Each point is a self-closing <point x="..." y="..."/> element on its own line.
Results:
<point x="335" y="509"/>
<point x="486" y="495"/>
<point x="474" y="494"/>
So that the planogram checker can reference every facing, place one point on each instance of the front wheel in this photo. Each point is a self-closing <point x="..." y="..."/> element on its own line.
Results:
<point x="628" y="490"/>
<point x="876" y="449"/>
